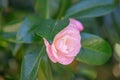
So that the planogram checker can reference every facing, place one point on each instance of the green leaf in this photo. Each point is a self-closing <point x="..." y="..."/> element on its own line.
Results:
<point x="34" y="27"/>
<point x="90" y="25"/>
<point x="11" y="27"/>
<point x="3" y="43"/>
<point x="64" y="4"/>
<point x="45" y="72"/>
<point x="112" y="25"/>
<point x="8" y="36"/>
<point x="31" y="63"/>
<point x="42" y="7"/>
<point x="46" y="8"/>
<point x="26" y="32"/>
<point x="88" y="71"/>
<point x="94" y="51"/>
<point x="62" y="72"/>
<point x="91" y="8"/>
<point x="116" y="17"/>
<point x="51" y="29"/>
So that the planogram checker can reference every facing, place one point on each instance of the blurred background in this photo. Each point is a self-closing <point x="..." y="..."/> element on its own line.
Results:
<point x="12" y="13"/>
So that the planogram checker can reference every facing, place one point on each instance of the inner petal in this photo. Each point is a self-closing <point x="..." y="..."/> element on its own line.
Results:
<point x="64" y="44"/>
<point x="70" y="44"/>
<point x="61" y="45"/>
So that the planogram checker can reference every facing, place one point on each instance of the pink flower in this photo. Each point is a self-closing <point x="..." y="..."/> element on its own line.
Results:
<point x="66" y="44"/>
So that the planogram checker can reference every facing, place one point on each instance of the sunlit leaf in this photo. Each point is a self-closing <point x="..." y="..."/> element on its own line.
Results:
<point x="94" y="51"/>
<point x="91" y="8"/>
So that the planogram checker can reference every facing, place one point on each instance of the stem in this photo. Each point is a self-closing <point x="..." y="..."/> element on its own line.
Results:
<point x="64" y="4"/>
<point x="47" y="10"/>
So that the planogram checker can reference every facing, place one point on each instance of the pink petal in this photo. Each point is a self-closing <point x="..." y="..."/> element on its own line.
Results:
<point x="77" y="24"/>
<point x="64" y="59"/>
<point x="75" y="43"/>
<point x="49" y="51"/>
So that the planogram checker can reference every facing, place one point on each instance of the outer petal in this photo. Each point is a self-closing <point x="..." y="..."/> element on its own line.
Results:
<point x="64" y="59"/>
<point x="67" y="61"/>
<point x="77" y="24"/>
<point x="60" y="57"/>
<point x="49" y="51"/>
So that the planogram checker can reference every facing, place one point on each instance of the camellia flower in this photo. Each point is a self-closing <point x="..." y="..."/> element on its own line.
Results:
<point x="66" y="44"/>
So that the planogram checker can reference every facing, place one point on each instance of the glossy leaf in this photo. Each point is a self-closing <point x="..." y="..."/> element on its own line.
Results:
<point x="34" y="27"/>
<point x="91" y="8"/>
<point x="94" y="51"/>
<point x="50" y="30"/>
<point x="31" y="63"/>
<point x="26" y="32"/>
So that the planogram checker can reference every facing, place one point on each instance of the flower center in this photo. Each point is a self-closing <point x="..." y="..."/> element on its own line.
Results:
<point x="64" y="44"/>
